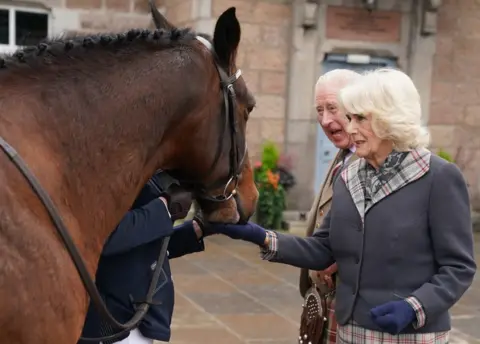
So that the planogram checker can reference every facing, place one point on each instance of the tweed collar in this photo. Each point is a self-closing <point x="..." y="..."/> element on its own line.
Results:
<point x="368" y="186"/>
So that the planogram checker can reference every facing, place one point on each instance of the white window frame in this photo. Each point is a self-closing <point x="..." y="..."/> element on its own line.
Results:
<point x="10" y="47"/>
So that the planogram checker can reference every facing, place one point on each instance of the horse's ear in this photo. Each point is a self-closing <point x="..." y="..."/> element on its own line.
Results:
<point x="159" y="20"/>
<point x="226" y="37"/>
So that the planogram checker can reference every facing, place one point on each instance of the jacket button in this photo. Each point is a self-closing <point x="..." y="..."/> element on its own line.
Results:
<point x="317" y="225"/>
<point x="357" y="260"/>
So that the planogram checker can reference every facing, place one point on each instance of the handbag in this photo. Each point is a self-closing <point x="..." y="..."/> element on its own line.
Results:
<point x="313" y="318"/>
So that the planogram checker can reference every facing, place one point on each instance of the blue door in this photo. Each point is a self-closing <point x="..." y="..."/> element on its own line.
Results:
<point x="325" y="150"/>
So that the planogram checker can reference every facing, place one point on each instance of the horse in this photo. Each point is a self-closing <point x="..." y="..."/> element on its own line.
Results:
<point x="93" y="117"/>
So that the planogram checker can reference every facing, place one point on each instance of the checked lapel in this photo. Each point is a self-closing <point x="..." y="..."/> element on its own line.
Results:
<point x="414" y="166"/>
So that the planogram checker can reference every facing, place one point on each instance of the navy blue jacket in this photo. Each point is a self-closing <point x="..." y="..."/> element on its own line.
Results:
<point x="126" y="267"/>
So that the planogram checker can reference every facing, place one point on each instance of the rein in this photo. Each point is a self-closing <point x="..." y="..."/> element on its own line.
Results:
<point x="226" y="83"/>
<point x="75" y="254"/>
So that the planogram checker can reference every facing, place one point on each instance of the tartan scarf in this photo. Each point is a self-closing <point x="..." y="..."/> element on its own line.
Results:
<point x="374" y="179"/>
<point x="394" y="175"/>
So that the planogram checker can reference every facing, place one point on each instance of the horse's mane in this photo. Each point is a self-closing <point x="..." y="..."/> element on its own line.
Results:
<point x="56" y="50"/>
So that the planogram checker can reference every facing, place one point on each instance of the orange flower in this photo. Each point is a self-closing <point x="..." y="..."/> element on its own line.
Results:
<point x="273" y="179"/>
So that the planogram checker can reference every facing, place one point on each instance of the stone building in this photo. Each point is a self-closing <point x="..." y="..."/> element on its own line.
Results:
<point x="287" y="44"/>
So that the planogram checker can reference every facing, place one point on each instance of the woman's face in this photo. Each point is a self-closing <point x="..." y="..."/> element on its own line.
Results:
<point x="367" y="144"/>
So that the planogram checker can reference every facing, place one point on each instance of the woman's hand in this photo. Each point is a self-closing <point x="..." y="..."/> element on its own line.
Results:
<point x="249" y="232"/>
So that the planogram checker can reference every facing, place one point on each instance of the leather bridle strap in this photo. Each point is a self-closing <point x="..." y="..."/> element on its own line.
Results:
<point x="229" y="100"/>
<point x="75" y="254"/>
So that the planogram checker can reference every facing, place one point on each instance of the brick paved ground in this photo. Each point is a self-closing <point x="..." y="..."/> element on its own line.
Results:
<point x="228" y="295"/>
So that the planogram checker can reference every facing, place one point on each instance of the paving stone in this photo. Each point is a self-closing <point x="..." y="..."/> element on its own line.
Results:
<point x="261" y="326"/>
<point x="470" y="326"/>
<point x="279" y="295"/>
<point x="292" y="313"/>
<point x="253" y="276"/>
<point x="461" y="310"/>
<point x="204" y="336"/>
<point x="222" y="265"/>
<point x="187" y="314"/>
<point x="201" y="283"/>
<point x="184" y="266"/>
<point x="227" y="303"/>
<point x="471" y="300"/>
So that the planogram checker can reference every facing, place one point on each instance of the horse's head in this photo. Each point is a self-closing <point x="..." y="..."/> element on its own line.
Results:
<point x="213" y="149"/>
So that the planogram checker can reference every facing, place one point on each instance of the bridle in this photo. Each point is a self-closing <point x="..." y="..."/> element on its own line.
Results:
<point x="236" y="162"/>
<point x="202" y="192"/>
<point x="236" y="165"/>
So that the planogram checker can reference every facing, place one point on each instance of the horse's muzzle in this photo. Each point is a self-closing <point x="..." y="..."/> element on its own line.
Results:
<point x="243" y="218"/>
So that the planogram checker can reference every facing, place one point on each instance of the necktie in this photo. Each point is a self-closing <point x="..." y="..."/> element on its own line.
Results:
<point x="335" y="171"/>
<point x="338" y="167"/>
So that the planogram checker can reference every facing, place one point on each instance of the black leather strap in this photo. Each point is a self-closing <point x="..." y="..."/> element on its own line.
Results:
<point x="75" y="254"/>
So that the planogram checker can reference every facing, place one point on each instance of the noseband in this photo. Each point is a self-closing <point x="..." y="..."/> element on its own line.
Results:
<point x="236" y="160"/>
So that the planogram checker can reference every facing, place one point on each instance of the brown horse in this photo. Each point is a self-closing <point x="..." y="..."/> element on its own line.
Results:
<point x="93" y="117"/>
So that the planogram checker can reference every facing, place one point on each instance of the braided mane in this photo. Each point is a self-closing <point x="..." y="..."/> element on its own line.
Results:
<point x="53" y="51"/>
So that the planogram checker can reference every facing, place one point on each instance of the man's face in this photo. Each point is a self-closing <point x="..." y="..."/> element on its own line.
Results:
<point x="330" y="118"/>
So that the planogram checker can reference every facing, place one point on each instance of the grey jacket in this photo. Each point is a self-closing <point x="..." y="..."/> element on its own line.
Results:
<point x="415" y="240"/>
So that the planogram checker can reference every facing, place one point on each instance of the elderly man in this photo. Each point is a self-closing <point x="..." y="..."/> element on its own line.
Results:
<point x="319" y="286"/>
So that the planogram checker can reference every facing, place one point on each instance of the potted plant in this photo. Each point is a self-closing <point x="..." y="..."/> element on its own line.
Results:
<point x="273" y="178"/>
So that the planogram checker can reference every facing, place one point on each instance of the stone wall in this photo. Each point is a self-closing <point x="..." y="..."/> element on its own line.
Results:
<point x="263" y="56"/>
<point x="179" y="12"/>
<point x="455" y="99"/>
<point x="85" y="16"/>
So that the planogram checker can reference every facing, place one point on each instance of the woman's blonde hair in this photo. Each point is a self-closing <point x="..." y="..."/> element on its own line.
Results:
<point x="393" y="102"/>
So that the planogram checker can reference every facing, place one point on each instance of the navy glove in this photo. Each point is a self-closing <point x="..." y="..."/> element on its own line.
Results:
<point x="393" y="316"/>
<point x="249" y="232"/>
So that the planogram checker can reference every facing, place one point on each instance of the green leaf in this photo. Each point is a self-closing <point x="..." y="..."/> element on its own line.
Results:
<point x="445" y="155"/>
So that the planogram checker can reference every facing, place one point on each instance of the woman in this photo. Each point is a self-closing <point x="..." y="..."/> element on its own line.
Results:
<point x="400" y="218"/>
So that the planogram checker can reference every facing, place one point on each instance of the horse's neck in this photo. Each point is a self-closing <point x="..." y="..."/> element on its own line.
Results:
<point x="93" y="155"/>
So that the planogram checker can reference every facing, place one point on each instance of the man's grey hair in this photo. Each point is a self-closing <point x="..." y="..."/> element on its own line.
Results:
<point x="336" y="78"/>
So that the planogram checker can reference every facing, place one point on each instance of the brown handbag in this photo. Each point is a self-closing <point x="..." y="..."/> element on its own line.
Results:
<point x="314" y="316"/>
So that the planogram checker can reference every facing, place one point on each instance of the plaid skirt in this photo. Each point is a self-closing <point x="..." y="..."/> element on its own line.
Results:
<point x="352" y="333"/>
